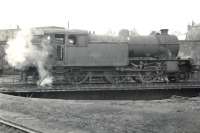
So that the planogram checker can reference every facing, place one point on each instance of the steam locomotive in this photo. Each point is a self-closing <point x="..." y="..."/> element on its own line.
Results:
<point x="79" y="57"/>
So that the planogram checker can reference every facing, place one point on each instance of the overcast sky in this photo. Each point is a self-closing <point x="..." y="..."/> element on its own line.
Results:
<point x="101" y="15"/>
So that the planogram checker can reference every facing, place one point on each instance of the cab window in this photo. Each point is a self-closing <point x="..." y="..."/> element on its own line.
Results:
<point x="72" y="40"/>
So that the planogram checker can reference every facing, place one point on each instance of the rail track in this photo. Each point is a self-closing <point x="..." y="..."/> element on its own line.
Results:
<point x="7" y="126"/>
<point x="9" y="83"/>
<point x="97" y="87"/>
<point x="146" y="91"/>
<point x="134" y="91"/>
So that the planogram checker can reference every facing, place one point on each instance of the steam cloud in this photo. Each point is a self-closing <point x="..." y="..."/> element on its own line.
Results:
<point x="21" y="53"/>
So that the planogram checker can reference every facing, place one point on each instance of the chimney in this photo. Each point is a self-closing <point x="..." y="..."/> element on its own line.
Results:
<point x="164" y="31"/>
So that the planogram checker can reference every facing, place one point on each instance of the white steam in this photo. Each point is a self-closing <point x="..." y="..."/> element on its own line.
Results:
<point x="18" y="49"/>
<point x="21" y="53"/>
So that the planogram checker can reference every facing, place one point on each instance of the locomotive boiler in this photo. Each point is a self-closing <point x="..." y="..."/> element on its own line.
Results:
<point x="158" y="46"/>
<point x="77" y="57"/>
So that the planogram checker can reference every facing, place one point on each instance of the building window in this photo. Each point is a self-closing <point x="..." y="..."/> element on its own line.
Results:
<point x="60" y="53"/>
<point x="36" y="39"/>
<point x="60" y="38"/>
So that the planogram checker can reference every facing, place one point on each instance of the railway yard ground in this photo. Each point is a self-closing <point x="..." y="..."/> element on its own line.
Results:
<point x="173" y="115"/>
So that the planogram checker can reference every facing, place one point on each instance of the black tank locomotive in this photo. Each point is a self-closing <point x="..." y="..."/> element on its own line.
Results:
<point x="78" y="57"/>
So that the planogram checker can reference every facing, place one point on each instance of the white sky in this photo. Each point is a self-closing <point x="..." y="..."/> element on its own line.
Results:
<point x="101" y="15"/>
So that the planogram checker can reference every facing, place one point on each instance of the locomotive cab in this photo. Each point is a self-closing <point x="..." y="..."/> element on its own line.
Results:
<point x="76" y="38"/>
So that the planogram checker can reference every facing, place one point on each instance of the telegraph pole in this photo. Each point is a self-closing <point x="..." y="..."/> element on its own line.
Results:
<point x="68" y="24"/>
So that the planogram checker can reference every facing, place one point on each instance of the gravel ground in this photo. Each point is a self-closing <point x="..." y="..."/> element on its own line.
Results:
<point x="175" y="115"/>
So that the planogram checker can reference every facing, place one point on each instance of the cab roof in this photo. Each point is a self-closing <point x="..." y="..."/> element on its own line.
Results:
<point x="47" y="30"/>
